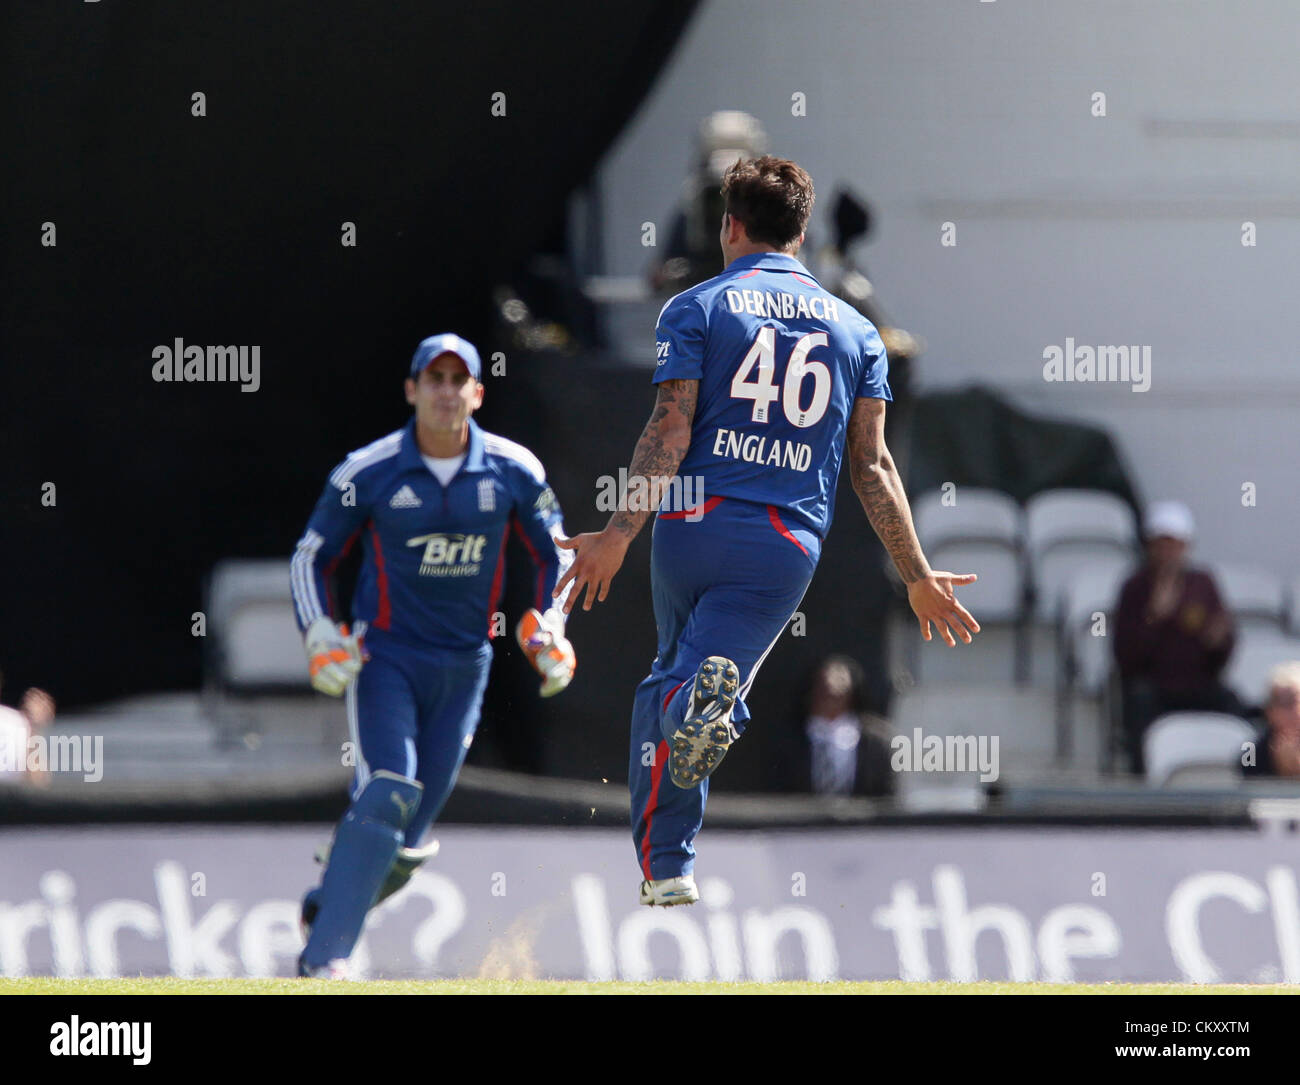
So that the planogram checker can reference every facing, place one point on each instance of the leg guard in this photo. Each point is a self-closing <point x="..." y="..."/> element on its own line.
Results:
<point x="365" y="845"/>
<point x="408" y="861"/>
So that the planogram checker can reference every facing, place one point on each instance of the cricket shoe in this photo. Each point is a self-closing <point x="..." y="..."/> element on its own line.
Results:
<point x="307" y="914"/>
<point x="670" y="891"/>
<point x="336" y="969"/>
<point x="698" y="746"/>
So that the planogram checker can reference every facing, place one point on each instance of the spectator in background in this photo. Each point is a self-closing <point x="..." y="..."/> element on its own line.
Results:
<point x="17" y="725"/>
<point x="1277" y="748"/>
<point x="846" y="747"/>
<point x="1173" y="633"/>
<point x="691" y="254"/>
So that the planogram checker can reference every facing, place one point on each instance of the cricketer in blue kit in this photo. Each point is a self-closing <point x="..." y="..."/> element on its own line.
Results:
<point x="763" y="378"/>
<point x="432" y="505"/>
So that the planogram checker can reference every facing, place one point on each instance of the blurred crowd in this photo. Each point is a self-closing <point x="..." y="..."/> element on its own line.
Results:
<point x="1173" y="640"/>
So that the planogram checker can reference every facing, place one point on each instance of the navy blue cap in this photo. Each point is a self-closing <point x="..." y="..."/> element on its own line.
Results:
<point x="447" y="343"/>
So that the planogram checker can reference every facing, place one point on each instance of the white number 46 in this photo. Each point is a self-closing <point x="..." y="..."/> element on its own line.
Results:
<point x="754" y="379"/>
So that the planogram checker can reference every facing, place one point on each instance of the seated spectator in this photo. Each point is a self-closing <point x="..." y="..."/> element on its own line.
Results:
<point x="1173" y="634"/>
<point x="1277" y="747"/>
<point x="36" y="711"/>
<point x="845" y="748"/>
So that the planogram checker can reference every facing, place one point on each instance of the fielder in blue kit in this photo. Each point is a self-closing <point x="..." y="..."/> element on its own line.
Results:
<point x="763" y="380"/>
<point x="432" y="505"/>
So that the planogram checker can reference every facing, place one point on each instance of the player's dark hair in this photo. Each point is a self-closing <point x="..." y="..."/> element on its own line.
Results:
<point x="771" y="197"/>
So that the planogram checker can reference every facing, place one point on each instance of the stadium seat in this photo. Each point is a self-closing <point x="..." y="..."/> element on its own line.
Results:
<point x="1087" y="657"/>
<point x="1068" y="529"/>
<point x="1102" y="564"/>
<point x="979" y="532"/>
<point x="1256" y="653"/>
<point x="1195" y="749"/>
<point x="973" y="514"/>
<point x="1015" y="715"/>
<point x="1255" y="596"/>
<point x="1084" y="657"/>
<point x="254" y="640"/>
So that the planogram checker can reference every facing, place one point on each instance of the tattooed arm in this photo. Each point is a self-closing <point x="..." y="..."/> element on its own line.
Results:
<point x="880" y="489"/>
<point x="658" y="454"/>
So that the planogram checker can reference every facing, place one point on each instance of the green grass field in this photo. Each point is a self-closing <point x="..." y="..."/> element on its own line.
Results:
<point x="172" y="986"/>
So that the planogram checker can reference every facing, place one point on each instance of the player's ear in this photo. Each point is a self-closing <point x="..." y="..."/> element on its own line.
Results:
<point x="478" y="400"/>
<point x="410" y="391"/>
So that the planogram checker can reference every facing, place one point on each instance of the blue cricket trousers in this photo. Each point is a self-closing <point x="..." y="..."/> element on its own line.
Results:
<point x="414" y="711"/>
<point x="723" y="585"/>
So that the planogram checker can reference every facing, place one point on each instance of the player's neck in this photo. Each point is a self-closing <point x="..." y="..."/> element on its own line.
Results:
<point x="756" y="250"/>
<point x="442" y="444"/>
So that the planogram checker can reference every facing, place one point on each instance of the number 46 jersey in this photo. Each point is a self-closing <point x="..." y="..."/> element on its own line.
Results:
<point x="780" y="362"/>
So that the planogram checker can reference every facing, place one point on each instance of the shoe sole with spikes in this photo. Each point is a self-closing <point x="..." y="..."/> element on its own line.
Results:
<point x="697" y="748"/>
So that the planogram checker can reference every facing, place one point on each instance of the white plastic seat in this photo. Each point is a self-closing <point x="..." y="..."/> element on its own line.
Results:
<point x="1202" y="747"/>
<point x="1255" y="596"/>
<point x="251" y="620"/>
<point x="1068" y="529"/>
<point x="975" y="513"/>
<point x="1254" y="656"/>
<point x="981" y="533"/>
<point x="998" y="595"/>
<point x="1056" y="516"/>
<point x="1094" y="589"/>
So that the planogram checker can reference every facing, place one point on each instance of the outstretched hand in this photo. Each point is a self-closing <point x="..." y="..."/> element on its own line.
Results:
<point x="599" y="556"/>
<point x="933" y="600"/>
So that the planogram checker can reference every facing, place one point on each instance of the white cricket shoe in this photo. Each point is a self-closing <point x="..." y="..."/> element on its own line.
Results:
<point x="699" y="745"/>
<point x="336" y="969"/>
<point x="670" y="891"/>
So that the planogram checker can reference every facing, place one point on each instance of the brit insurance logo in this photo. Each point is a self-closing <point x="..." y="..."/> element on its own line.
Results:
<point x="450" y="554"/>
